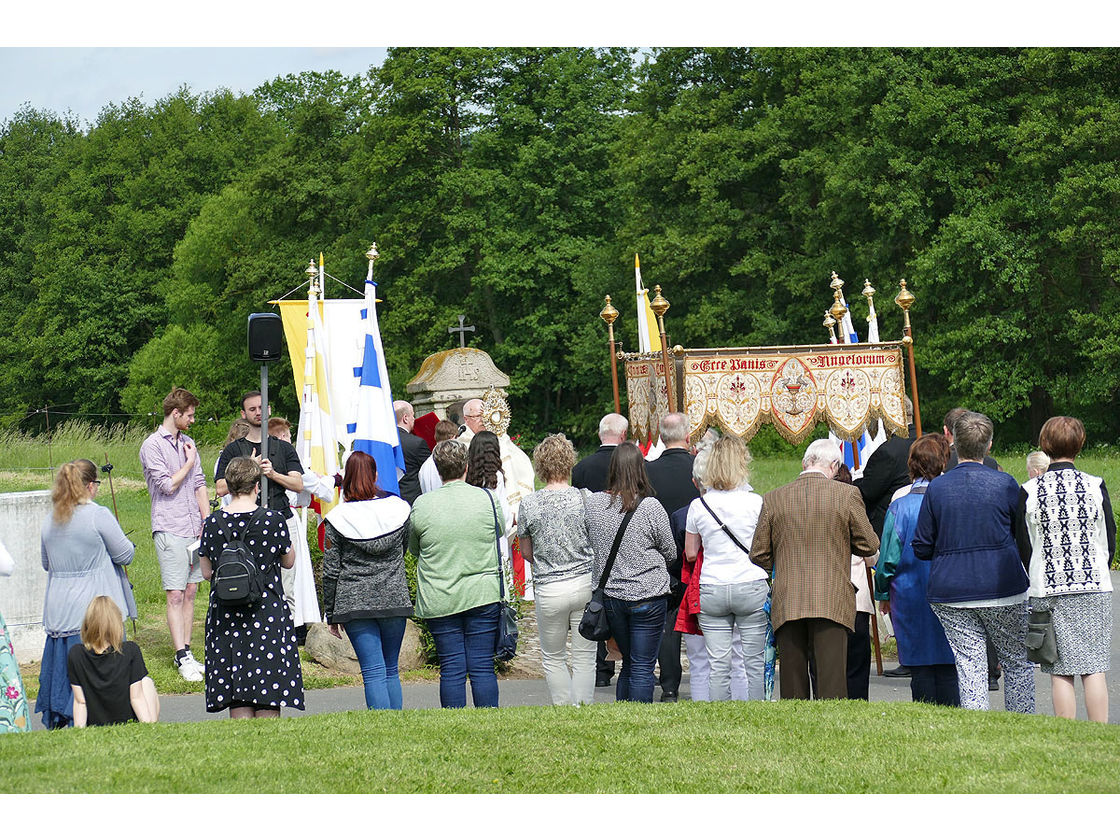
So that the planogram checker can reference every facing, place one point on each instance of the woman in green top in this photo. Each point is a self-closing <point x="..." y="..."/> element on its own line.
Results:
<point x="454" y="534"/>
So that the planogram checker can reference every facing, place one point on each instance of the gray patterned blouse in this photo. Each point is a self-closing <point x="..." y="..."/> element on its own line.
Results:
<point x="555" y="521"/>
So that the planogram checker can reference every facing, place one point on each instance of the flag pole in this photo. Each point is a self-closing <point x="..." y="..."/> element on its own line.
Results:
<point x="905" y="300"/>
<point x="107" y="468"/>
<point x="660" y="306"/>
<point x="609" y="314"/>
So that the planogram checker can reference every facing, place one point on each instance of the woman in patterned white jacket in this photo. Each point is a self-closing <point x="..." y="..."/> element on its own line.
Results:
<point x="1069" y="534"/>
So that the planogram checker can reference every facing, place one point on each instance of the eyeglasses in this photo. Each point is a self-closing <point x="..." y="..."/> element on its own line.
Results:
<point x="96" y="482"/>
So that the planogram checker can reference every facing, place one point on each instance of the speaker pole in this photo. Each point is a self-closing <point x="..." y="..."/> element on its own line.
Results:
<point x="264" y="431"/>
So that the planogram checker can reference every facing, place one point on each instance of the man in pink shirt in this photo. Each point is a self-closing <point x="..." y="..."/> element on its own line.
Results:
<point x="179" y="506"/>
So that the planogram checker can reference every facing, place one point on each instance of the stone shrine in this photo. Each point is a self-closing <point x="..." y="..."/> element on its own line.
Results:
<point x="449" y="376"/>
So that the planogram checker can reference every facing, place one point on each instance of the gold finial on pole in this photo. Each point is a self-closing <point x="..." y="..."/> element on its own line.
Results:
<point x="905" y="299"/>
<point x="869" y="293"/>
<point x="838" y="310"/>
<point x="609" y="314"/>
<point x="829" y="324"/>
<point x="660" y="306"/>
<point x="372" y="253"/>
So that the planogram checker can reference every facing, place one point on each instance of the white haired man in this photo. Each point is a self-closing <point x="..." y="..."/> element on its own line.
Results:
<point x="591" y="472"/>
<point x="807" y="533"/>
<point x="671" y="477"/>
<point x="415" y="450"/>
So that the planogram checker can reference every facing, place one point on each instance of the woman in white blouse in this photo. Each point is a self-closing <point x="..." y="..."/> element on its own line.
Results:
<point x="732" y="589"/>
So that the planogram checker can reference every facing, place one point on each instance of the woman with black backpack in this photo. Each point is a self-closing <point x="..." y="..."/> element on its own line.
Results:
<point x="252" y="660"/>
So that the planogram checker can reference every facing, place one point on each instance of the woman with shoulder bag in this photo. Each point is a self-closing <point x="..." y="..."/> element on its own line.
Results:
<point x="453" y="533"/>
<point x="628" y="526"/>
<point x="733" y="590"/>
<point x="364" y="585"/>
<point x="1068" y="532"/>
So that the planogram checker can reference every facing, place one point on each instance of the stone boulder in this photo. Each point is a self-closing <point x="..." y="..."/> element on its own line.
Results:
<point x="338" y="654"/>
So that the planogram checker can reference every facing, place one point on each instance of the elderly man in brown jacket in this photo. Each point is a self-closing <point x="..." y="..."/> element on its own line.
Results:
<point x="807" y="533"/>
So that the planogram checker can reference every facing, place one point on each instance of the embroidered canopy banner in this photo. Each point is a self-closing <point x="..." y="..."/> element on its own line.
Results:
<point x="738" y="389"/>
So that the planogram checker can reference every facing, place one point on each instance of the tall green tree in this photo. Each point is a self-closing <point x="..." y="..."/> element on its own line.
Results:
<point x="490" y="180"/>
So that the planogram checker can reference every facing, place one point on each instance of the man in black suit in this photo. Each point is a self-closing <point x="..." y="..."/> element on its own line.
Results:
<point x="886" y="471"/>
<point x="591" y="474"/>
<point x="671" y="477"/>
<point x="415" y="451"/>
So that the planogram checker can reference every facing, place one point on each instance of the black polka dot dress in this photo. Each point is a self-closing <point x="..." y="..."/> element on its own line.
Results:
<point x="251" y="654"/>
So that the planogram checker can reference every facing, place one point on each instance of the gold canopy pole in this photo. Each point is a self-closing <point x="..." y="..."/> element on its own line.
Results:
<point x="660" y="306"/>
<point x="609" y="314"/>
<point x="905" y="300"/>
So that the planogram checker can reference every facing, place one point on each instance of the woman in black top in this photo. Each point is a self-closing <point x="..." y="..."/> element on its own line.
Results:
<point x="107" y="674"/>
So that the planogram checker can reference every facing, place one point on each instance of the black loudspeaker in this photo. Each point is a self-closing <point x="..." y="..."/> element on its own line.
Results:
<point x="266" y="337"/>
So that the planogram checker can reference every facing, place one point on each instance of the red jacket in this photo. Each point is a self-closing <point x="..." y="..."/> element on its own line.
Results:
<point x="687" y="621"/>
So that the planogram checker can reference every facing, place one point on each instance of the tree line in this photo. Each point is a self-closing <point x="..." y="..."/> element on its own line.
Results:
<point x="515" y="185"/>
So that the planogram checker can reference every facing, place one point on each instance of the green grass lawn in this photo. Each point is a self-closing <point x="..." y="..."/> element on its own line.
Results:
<point x="784" y="747"/>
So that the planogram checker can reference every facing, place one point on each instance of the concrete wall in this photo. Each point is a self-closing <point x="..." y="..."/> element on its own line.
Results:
<point x="21" y="595"/>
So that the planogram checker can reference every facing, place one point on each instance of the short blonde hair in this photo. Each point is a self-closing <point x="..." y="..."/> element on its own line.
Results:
<point x="554" y="458"/>
<point x="103" y="625"/>
<point x="728" y="465"/>
<point x="1037" y="461"/>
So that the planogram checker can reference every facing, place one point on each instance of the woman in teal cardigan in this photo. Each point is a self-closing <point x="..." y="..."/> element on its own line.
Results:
<point x="453" y="534"/>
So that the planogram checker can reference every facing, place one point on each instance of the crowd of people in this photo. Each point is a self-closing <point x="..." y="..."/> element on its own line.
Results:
<point x="679" y="548"/>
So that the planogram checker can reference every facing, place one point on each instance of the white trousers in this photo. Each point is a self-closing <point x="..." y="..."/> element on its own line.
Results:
<point x="559" y="608"/>
<point x="700" y="667"/>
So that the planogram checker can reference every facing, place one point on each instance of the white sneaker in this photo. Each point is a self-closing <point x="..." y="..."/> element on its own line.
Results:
<point x="189" y="670"/>
<point x="201" y="668"/>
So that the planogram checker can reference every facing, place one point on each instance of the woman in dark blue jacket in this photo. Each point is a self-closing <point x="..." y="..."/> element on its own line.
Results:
<point x="977" y="580"/>
<point x="901" y="581"/>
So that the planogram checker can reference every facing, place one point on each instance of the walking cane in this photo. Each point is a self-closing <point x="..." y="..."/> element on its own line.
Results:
<point x="874" y="623"/>
<point x="107" y="468"/>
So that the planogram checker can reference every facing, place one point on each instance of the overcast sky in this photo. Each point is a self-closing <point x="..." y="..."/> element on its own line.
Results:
<point x="83" y="80"/>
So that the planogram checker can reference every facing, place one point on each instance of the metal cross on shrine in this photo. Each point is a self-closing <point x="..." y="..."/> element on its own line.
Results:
<point x="462" y="330"/>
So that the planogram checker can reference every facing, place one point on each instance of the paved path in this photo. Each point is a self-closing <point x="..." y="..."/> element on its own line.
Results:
<point x="533" y="692"/>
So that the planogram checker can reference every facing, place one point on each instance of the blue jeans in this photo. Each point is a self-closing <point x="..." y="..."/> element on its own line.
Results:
<point x="636" y="627"/>
<point x="465" y="644"/>
<point x="377" y="642"/>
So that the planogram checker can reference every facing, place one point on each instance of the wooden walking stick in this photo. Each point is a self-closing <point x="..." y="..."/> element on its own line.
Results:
<point x="874" y="622"/>
<point x="871" y="592"/>
<point x="107" y="468"/>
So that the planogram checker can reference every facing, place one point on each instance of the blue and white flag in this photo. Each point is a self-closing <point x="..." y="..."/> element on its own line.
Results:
<point x="375" y="424"/>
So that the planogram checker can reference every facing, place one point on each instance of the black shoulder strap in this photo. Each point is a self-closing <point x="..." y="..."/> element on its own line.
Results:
<point x="614" y="548"/>
<point x="726" y="530"/>
<point x="497" y="545"/>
